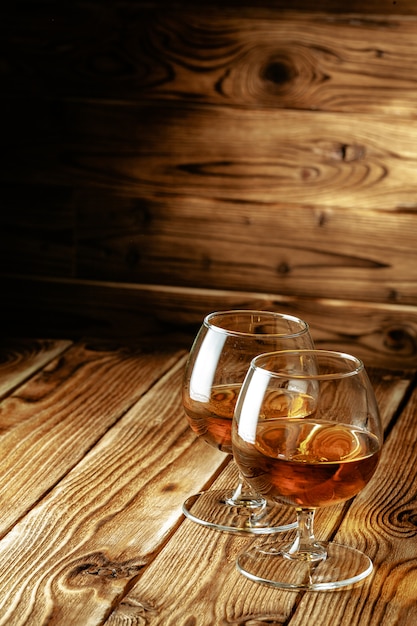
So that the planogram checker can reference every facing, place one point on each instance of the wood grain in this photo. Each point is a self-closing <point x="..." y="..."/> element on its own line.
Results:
<point x="381" y="334"/>
<point x="90" y="536"/>
<point x="261" y="155"/>
<point x="295" y="217"/>
<point x="270" y="247"/>
<point x="256" y="56"/>
<point x="46" y="419"/>
<point x="20" y="359"/>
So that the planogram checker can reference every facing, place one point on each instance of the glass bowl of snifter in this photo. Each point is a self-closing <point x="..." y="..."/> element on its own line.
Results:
<point x="306" y="433"/>
<point x="217" y="365"/>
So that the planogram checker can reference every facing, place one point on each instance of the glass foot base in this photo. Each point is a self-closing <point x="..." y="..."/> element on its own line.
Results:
<point x="215" y="509"/>
<point x="343" y="566"/>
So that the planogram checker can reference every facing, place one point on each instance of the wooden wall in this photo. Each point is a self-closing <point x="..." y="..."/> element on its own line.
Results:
<point x="164" y="159"/>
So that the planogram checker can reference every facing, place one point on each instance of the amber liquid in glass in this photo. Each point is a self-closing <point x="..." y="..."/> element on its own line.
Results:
<point x="306" y="462"/>
<point x="212" y="420"/>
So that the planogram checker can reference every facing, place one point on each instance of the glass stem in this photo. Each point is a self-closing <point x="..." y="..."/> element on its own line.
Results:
<point x="305" y="547"/>
<point x="244" y="496"/>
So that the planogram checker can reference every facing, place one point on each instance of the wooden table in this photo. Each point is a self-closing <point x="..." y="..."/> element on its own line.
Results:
<point x="96" y="460"/>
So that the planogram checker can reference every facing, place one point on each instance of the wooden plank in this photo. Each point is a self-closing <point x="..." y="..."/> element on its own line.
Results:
<point x="20" y="359"/>
<point x="49" y="423"/>
<point x="214" y="592"/>
<point x="253" y="155"/>
<point x="361" y="254"/>
<point x="280" y="59"/>
<point x="83" y="544"/>
<point x="272" y="247"/>
<point x="245" y="56"/>
<point x="381" y="334"/>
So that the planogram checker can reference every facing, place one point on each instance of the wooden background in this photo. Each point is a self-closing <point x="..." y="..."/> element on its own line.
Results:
<point x="161" y="160"/>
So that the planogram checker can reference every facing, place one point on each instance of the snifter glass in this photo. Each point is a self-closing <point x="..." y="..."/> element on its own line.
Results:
<point x="216" y="367"/>
<point x="306" y="433"/>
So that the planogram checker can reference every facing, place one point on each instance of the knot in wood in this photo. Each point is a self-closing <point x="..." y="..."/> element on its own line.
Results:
<point x="278" y="72"/>
<point x="338" y="151"/>
<point x="99" y="569"/>
<point x="351" y="152"/>
<point x="283" y="268"/>
<point x="400" y="339"/>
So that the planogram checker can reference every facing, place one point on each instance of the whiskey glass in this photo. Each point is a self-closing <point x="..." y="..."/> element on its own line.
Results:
<point x="218" y="361"/>
<point x="306" y="432"/>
